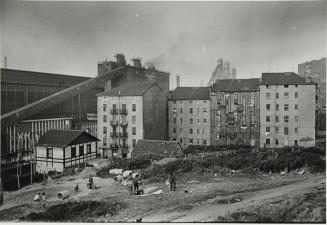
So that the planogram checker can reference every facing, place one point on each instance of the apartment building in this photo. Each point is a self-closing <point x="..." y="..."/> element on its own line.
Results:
<point x="129" y="113"/>
<point x="287" y="111"/>
<point x="189" y="116"/>
<point x="235" y="112"/>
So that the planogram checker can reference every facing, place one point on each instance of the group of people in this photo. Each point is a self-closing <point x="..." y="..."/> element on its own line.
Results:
<point x="134" y="184"/>
<point x="40" y="198"/>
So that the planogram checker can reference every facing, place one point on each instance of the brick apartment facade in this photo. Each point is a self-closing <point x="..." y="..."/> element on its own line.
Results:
<point x="235" y="112"/>
<point x="189" y="116"/>
<point x="287" y="111"/>
<point x="129" y="113"/>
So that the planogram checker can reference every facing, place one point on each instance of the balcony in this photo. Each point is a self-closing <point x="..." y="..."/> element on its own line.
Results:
<point x="123" y="134"/>
<point x="123" y="111"/>
<point x="113" y="134"/>
<point x="113" y="111"/>
<point x="114" y="123"/>
<point x="113" y="146"/>
<point x="124" y="123"/>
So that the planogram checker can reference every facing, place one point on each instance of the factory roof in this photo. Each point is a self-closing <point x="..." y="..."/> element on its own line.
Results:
<point x="190" y="93"/>
<point x="236" y="85"/>
<point x="282" y="79"/>
<point x="130" y="89"/>
<point x="62" y="138"/>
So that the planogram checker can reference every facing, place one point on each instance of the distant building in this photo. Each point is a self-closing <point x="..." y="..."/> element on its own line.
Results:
<point x="287" y="111"/>
<point x="129" y="113"/>
<point x="60" y="149"/>
<point x="222" y="71"/>
<point x="235" y="112"/>
<point x="157" y="148"/>
<point x="189" y="116"/>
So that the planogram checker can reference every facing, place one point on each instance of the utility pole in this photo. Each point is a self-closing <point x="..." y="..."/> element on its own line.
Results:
<point x="119" y="147"/>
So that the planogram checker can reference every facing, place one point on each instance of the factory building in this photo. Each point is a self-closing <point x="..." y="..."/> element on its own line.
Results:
<point x="235" y="112"/>
<point x="129" y="113"/>
<point x="287" y="111"/>
<point x="189" y="116"/>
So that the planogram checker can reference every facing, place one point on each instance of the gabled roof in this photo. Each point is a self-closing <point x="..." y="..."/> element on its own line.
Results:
<point x="130" y="89"/>
<point x="62" y="138"/>
<point x="282" y="78"/>
<point x="164" y="149"/>
<point x="236" y="85"/>
<point x="191" y="93"/>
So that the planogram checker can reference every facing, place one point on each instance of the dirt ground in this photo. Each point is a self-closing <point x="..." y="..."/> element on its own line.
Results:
<point x="199" y="197"/>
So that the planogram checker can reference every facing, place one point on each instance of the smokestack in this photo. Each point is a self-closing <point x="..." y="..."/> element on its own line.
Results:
<point x="120" y="59"/>
<point x="5" y="62"/>
<point x="233" y="73"/>
<point x="137" y="63"/>
<point x="178" y="81"/>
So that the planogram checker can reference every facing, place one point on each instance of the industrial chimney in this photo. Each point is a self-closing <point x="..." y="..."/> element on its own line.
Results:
<point x="137" y="63"/>
<point x="178" y="81"/>
<point x="120" y="59"/>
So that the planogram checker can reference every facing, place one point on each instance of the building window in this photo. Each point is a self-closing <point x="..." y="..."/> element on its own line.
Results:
<point x="81" y="150"/>
<point x="174" y="139"/>
<point x="268" y="86"/>
<point x="134" y="130"/>
<point x="104" y="141"/>
<point x="277" y="107"/>
<point x="191" y="110"/>
<point x="88" y="148"/>
<point x="104" y="118"/>
<point x="285" y="107"/>
<point x="181" y="140"/>
<point x="296" y="130"/>
<point x="134" y="119"/>
<point x="267" y="129"/>
<point x="197" y="110"/>
<point x="277" y="95"/>
<point x="191" y="131"/>
<point x="174" y="102"/>
<point x="267" y="95"/>
<point x="197" y="131"/>
<point x="181" y="119"/>
<point x="286" y="130"/>
<point x="276" y="142"/>
<point x="204" y="110"/>
<point x="134" y="142"/>
<point x="267" y="118"/>
<point x="104" y="130"/>
<point x="198" y="121"/>
<point x="73" y="151"/>
<point x="174" y="110"/>
<point x="285" y="94"/>
<point x="204" y="101"/>
<point x="174" y="120"/>
<point x="296" y="118"/>
<point x="277" y="119"/>
<point x="267" y="141"/>
<point x="191" y="120"/>
<point x="296" y="95"/>
<point x="285" y="86"/>
<point x="277" y="130"/>
<point x="134" y="107"/>
<point x="286" y="119"/>
<point x="205" y="121"/>
<point x="295" y="106"/>
<point x="191" y="141"/>
<point x="174" y="130"/>
<point x="104" y="107"/>
<point x="204" y="142"/>
<point x="181" y="110"/>
<point x="268" y="107"/>
<point x="49" y="152"/>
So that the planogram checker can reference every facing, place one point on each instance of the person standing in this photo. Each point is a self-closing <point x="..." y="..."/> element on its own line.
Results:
<point x="43" y="199"/>
<point x="136" y="183"/>
<point x="172" y="182"/>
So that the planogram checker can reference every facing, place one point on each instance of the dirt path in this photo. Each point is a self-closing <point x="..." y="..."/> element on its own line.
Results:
<point x="209" y="211"/>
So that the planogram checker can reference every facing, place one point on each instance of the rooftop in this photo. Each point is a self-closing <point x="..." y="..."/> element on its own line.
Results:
<point x="235" y="85"/>
<point x="190" y="93"/>
<point x="282" y="78"/>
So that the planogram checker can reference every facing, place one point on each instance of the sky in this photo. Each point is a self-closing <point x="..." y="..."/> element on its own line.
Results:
<point x="182" y="38"/>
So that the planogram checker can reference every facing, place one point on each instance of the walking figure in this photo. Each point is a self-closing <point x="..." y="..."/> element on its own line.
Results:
<point x="172" y="182"/>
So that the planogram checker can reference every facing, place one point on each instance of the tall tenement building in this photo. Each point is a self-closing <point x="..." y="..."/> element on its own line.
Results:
<point x="287" y="111"/>
<point x="222" y="71"/>
<point x="129" y="113"/>
<point x="235" y="112"/>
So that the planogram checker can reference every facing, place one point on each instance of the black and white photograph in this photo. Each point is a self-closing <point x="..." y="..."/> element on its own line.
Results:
<point x="163" y="111"/>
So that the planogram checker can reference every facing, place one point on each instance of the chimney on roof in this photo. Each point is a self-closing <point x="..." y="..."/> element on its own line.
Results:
<point x="137" y="63"/>
<point x="178" y="81"/>
<point x="120" y="59"/>
<point x="151" y="66"/>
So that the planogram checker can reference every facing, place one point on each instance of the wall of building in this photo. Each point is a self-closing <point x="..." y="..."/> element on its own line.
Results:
<point x="301" y="121"/>
<point x="235" y="118"/>
<point x="129" y="101"/>
<point x="180" y="131"/>
<point x="155" y="114"/>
